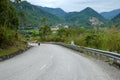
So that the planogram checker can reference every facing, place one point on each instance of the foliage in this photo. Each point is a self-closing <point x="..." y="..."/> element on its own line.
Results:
<point x="7" y="37"/>
<point x="8" y="24"/>
<point x="8" y="15"/>
<point x="44" y="29"/>
<point x="12" y="49"/>
<point x="100" y="38"/>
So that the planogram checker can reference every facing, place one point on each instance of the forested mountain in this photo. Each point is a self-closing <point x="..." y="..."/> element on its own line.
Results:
<point x="31" y="15"/>
<point x="116" y="20"/>
<point x="56" y="11"/>
<point x="85" y="17"/>
<point x="111" y="14"/>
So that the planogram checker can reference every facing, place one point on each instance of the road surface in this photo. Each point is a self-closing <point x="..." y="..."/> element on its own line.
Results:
<point x="51" y="62"/>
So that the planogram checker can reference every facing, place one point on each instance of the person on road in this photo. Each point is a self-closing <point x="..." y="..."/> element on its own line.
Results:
<point x="39" y="43"/>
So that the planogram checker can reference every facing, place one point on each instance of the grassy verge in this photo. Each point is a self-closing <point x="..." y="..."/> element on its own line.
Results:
<point x="12" y="49"/>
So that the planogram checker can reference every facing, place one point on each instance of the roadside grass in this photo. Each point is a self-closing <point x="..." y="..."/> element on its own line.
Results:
<point x="12" y="49"/>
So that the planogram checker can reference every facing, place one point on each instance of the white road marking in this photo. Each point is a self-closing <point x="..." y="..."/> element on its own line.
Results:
<point x="43" y="67"/>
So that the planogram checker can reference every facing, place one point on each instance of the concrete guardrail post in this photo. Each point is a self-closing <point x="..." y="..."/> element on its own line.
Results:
<point x="100" y="56"/>
<point x="107" y="58"/>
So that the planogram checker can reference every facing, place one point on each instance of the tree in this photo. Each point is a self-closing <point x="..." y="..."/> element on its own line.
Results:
<point x="44" y="29"/>
<point x="62" y="32"/>
<point x="8" y="24"/>
<point x="8" y="15"/>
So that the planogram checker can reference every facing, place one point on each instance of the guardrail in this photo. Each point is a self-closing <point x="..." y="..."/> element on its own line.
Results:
<point x="103" y="55"/>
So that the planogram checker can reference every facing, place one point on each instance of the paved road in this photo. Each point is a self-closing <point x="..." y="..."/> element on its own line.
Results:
<point x="51" y="62"/>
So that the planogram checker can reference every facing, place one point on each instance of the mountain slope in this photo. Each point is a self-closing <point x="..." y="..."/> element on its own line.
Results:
<point x="111" y="14"/>
<point x="56" y="11"/>
<point x="116" y="20"/>
<point x="84" y="17"/>
<point x="33" y="14"/>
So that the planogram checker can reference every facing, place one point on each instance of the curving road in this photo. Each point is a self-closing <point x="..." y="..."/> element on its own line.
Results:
<point x="51" y="62"/>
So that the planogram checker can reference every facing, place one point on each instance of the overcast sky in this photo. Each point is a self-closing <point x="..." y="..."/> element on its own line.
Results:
<point x="78" y="5"/>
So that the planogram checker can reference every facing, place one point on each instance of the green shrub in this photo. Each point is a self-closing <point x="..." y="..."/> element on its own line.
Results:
<point x="7" y="37"/>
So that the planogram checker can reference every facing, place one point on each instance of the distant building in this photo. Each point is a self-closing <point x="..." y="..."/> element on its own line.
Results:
<point x="54" y="29"/>
<point x="66" y="26"/>
<point x="95" y="21"/>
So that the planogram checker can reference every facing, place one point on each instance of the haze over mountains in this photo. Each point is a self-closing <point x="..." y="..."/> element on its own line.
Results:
<point x="111" y="14"/>
<point x="116" y="19"/>
<point x="54" y="16"/>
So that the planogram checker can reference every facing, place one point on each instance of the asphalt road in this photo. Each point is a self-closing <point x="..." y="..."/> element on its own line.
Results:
<point x="51" y="62"/>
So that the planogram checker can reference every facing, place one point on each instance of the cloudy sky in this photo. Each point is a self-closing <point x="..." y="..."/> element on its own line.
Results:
<point x="78" y="5"/>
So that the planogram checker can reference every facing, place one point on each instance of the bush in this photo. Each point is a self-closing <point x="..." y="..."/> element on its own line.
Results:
<point x="7" y="37"/>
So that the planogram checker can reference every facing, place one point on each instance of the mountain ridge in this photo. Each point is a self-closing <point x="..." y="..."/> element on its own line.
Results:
<point x="83" y="16"/>
<point x="56" y="16"/>
<point x="111" y="14"/>
<point x="56" y="11"/>
<point x="116" y="20"/>
<point x="33" y="14"/>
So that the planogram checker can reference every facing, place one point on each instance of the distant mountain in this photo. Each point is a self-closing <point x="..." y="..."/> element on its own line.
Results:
<point x="87" y="16"/>
<point x="111" y="14"/>
<point x="33" y="14"/>
<point x="56" y="11"/>
<point x="116" y="20"/>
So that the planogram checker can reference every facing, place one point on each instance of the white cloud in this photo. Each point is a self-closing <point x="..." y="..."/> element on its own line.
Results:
<point x="77" y="5"/>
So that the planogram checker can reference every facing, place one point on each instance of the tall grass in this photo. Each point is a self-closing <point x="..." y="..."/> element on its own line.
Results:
<point x="10" y="41"/>
<point x="100" y="38"/>
<point x="7" y="37"/>
<point x="106" y="39"/>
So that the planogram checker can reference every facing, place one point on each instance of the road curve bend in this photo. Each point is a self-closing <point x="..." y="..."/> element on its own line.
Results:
<point x="51" y="62"/>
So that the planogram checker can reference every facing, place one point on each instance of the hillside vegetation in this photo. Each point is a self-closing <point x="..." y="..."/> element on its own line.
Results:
<point x="99" y="38"/>
<point x="116" y="20"/>
<point x="56" y="11"/>
<point x="10" y="41"/>
<point x="83" y="17"/>
<point x="32" y="15"/>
